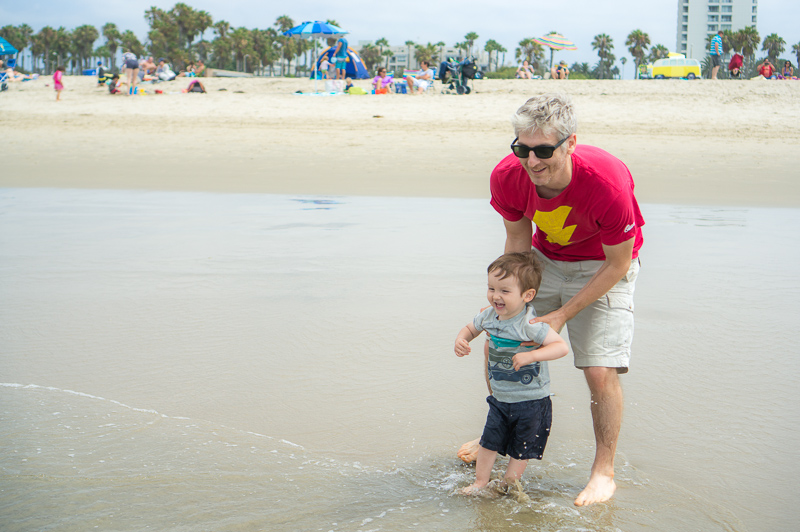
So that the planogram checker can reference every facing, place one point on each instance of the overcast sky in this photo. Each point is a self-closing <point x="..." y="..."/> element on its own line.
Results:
<point x="421" y="21"/>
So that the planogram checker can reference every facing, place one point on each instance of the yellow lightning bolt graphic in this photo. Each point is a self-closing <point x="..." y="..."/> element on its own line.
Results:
<point x="552" y="224"/>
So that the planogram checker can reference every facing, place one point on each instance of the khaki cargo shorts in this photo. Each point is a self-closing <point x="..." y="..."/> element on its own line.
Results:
<point x="601" y="334"/>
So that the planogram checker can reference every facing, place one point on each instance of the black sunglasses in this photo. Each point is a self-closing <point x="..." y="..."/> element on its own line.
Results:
<point x="541" y="152"/>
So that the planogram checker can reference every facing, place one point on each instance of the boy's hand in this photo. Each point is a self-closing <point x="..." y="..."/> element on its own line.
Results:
<point x="462" y="347"/>
<point x="523" y="359"/>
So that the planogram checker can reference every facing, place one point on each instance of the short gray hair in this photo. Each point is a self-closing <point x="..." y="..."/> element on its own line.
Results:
<point x="546" y="113"/>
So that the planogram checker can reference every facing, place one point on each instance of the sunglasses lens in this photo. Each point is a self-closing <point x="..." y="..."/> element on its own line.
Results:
<point x="521" y="151"/>
<point x="543" y="152"/>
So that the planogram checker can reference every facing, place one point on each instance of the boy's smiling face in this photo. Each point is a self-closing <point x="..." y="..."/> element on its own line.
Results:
<point x="506" y="296"/>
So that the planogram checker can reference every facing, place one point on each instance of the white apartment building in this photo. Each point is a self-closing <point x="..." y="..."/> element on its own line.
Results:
<point x="697" y="19"/>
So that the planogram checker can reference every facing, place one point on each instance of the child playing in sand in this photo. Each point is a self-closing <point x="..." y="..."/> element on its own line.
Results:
<point x="58" y="75"/>
<point x="520" y="411"/>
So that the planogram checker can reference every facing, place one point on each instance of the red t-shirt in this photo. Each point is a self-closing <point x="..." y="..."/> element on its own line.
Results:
<point x="766" y="70"/>
<point x="597" y="207"/>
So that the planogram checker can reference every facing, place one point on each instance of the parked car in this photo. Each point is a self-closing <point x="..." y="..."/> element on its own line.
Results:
<point x="675" y="66"/>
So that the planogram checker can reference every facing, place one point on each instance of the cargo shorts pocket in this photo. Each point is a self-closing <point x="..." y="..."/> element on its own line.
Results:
<point x="619" y="319"/>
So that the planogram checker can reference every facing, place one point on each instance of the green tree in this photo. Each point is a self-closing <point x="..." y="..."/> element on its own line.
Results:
<point x="131" y="43"/>
<point x="287" y="44"/>
<point x="531" y="51"/>
<point x="83" y="38"/>
<point x="774" y="45"/>
<point x="113" y="39"/>
<point x="749" y="39"/>
<point x="371" y="55"/>
<point x="242" y="45"/>
<point x="426" y="52"/>
<point x="637" y="43"/>
<point x="62" y="45"/>
<point x="603" y="44"/>
<point x="45" y="39"/>
<point x="26" y="37"/>
<point x="470" y="39"/>
<point x="796" y="51"/>
<point x="381" y="43"/>
<point x="409" y="44"/>
<point x="491" y="47"/>
<point x="659" y="51"/>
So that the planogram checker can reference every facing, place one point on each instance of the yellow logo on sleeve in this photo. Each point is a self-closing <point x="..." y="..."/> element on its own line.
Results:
<point x="552" y="224"/>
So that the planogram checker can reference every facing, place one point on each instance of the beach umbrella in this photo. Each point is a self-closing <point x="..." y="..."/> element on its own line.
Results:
<point x="6" y="48"/>
<point x="315" y="30"/>
<point x="554" y="41"/>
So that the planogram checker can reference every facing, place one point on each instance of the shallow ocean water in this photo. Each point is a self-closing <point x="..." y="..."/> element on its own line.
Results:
<point x="193" y="361"/>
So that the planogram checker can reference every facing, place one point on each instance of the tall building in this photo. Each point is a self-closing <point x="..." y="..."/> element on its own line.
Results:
<point x="697" y="19"/>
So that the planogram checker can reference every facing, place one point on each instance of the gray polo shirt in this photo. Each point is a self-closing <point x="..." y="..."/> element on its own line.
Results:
<point x="531" y="382"/>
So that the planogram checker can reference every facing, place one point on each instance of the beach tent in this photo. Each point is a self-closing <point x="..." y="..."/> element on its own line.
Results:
<point x="6" y="48"/>
<point x="355" y="67"/>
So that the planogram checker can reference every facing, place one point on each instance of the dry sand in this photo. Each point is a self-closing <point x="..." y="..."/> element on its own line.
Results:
<point x="698" y="142"/>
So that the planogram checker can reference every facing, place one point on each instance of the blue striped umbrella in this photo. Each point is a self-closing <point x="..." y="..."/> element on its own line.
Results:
<point x="314" y="30"/>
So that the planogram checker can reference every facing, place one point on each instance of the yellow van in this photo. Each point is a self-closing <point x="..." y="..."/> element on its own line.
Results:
<point x="675" y="66"/>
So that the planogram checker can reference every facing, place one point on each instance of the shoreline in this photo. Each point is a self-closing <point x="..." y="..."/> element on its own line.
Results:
<point x="698" y="143"/>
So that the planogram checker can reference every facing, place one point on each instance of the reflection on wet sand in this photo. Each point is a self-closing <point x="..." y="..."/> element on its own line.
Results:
<point x="220" y="361"/>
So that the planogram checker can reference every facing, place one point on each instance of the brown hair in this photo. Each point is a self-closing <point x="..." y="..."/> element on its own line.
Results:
<point x="525" y="266"/>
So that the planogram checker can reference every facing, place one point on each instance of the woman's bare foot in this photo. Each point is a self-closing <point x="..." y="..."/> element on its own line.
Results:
<point x="599" y="489"/>
<point x="469" y="451"/>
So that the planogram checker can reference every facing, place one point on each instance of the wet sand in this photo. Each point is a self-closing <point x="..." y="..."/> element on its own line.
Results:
<point x="150" y="357"/>
<point x="700" y="142"/>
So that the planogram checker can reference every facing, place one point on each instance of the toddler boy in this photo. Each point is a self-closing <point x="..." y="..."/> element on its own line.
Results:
<point x="520" y="412"/>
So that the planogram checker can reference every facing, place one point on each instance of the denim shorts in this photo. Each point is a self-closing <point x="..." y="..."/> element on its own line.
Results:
<point x="518" y="430"/>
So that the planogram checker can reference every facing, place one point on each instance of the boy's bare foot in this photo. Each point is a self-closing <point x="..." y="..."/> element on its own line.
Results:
<point x="490" y="490"/>
<point x="469" y="451"/>
<point x="599" y="489"/>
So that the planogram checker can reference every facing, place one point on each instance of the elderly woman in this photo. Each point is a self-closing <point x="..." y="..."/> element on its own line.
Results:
<point x="382" y="83"/>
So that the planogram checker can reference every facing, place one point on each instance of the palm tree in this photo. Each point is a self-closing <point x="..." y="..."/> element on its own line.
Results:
<point x="492" y="46"/>
<point x="774" y="45"/>
<point x="470" y="39"/>
<point x="26" y="40"/>
<point x="796" y="50"/>
<point x="623" y="60"/>
<point x="657" y="52"/>
<point x="440" y="44"/>
<point x="131" y="42"/>
<point x="637" y="43"/>
<point x="371" y="55"/>
<point x="380" y="43"/>
<point x="112" y="36"/>
<point x="61" y="46"/>
<point x="408" y="62"/>
<point x="425" y="53"/>
<point x="83" y="38"/>
<point x="45" y="39"/>
<point x="603" y="44"/>
<point x="749" y="40"/>
<point x="284" y="23"/>
<point x="531" y="51"/>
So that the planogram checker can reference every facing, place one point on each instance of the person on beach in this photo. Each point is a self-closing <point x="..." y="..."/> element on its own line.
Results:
<point x="421" y="80"/>
<point x="588" y="232"/>
<point x="715" y="53"/>
<point x="382" y="83"/>
<point x="58" y="76"/>
<point x="766" y="69"/>
<point x="560" y="71"/>
<point x="520" y="411"/>
<point x="787" y="72"/>
<point x="131" y="70"/>
<point x="525" y="71"/>
<point x="340" y="58"/>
